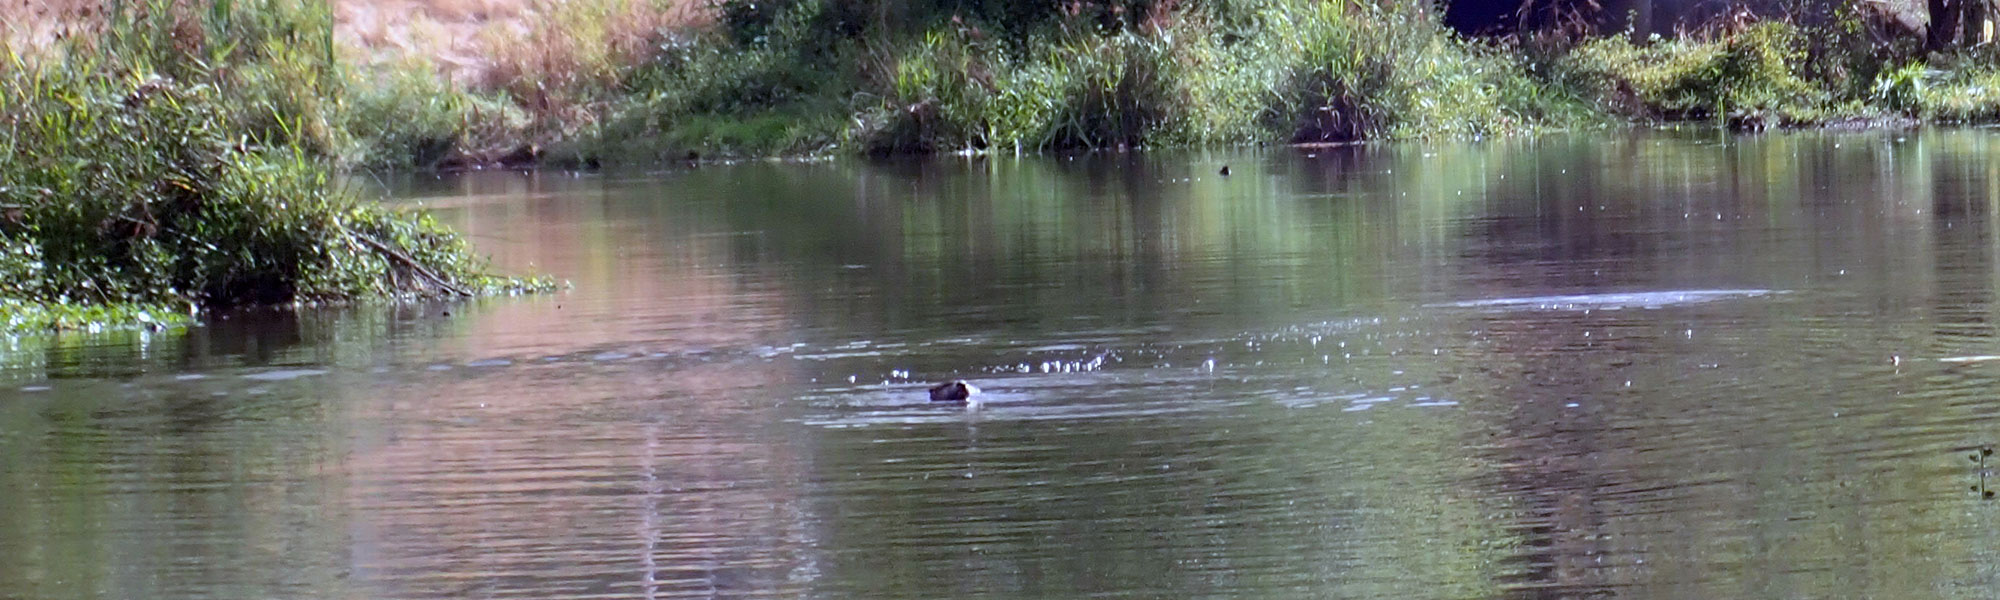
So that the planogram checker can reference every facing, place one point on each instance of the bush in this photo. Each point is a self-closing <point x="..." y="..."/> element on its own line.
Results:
<point x="707" y="93"/>
<point x="1966" y="92"/>
<point x="1088" y="91"/>
<point x="145" y="167"/>
<point x="1287" y="69"/>
<point x="407" y="118"/>
<point x="943" y="94"/>
<point x="1751" y="71"/>
<point x="1117" y="91"/>
<point x="1332" y="72"/>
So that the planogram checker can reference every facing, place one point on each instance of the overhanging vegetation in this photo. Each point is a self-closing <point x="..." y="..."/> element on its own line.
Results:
<point x="179" y="159"/>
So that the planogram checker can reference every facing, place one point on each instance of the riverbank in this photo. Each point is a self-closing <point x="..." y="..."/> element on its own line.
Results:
<point x="453" y="84"/>
<point x="172" y="160"/>
<point x="449" y="84"/>
<point x="628" y="81"/>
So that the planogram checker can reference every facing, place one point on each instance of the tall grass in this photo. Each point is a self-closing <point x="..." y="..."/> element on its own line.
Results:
<point x="951" y="92"/>
<point x="498" y="81"/>
<point x="274" y="58"/>
<point x="405" y="116"/>
<point x="1747" y="71"/>
<point x="1752" y="73"/>
<point x="1252" y="70"/>
<point x="574" y="58"/>
<point x="931" y="77"/>
<point x="786" y="93"/>
<point x="1963" y="87"/>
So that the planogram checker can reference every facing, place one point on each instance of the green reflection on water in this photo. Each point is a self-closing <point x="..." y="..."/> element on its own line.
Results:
<point x="1793" y="444"/>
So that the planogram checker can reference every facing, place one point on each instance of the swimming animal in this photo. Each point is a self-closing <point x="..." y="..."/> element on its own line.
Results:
<point x="956" y="390"/>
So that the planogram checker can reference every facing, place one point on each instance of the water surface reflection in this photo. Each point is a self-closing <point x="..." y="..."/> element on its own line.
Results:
<point x="1655" y="365"/>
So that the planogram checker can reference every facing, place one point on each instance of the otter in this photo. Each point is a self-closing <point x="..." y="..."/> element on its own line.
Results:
<point x="956" y="390"/>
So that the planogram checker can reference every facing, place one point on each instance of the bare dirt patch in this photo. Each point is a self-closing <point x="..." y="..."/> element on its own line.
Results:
<point x="490" y="43"/>
<point x="476" y="43"/>
<point x="34" y="23"/>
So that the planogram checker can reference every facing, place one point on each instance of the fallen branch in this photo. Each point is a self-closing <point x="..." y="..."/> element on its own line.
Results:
<point x="392" y="252"/>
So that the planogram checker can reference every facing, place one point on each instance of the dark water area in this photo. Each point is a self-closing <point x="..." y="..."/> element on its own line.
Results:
<point x="1650" y="365"/>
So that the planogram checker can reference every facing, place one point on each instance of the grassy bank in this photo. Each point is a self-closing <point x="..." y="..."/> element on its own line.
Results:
<point x="825" y="76"/>
<point x="584" y="82"/>
<point x="177" y="157"/>
<point x="600" y="83"/>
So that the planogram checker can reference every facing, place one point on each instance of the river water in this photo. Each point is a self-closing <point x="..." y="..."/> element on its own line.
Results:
<point x="1639" y="365"/>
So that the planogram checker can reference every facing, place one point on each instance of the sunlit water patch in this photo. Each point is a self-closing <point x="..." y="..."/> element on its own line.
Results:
<point x="1613" y="301"/>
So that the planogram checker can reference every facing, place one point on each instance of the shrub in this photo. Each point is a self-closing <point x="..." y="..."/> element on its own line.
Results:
<point x="1114" y="92"/>
<point x="144" y="167"/>
<point x="1741" y="72"/>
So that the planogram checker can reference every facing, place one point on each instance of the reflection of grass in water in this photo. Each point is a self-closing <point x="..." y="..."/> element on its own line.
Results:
<point x="37" y="357"/>
<point x="1002" y="231"/>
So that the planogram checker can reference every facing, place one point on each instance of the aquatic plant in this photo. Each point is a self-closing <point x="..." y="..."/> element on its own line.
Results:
<point x="1119" y="91"/>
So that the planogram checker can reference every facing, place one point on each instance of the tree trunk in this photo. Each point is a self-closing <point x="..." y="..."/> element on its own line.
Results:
<point x="1943" y="31"/>
<point x="1959" y="24"/>
<point x="1978" y="29"/>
